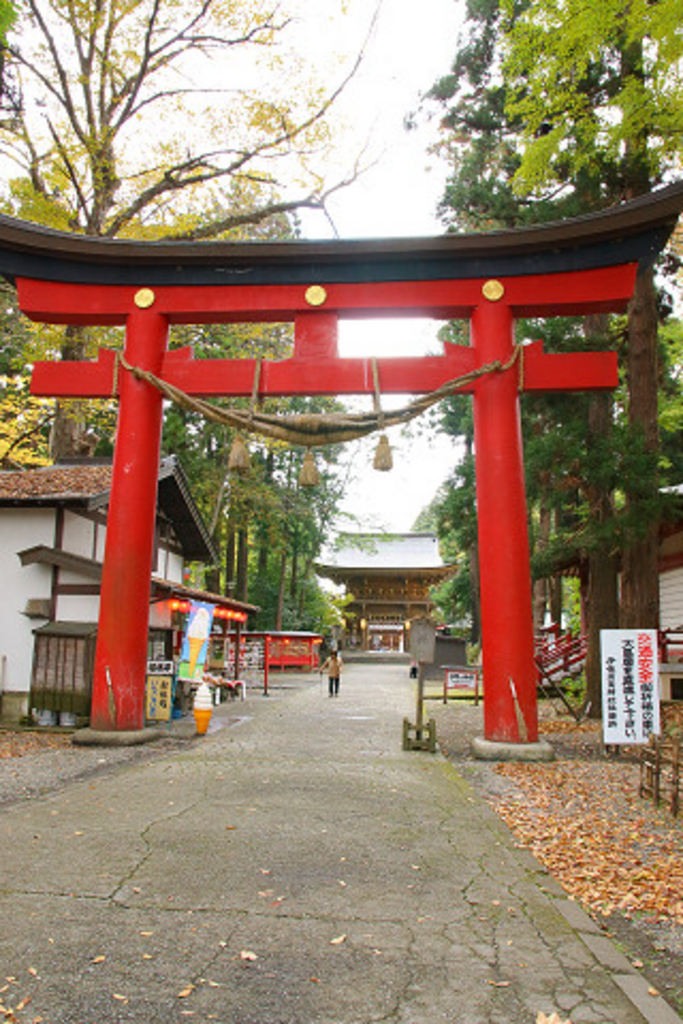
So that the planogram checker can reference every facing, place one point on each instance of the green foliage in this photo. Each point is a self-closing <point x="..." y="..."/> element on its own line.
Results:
<point x="596" y="89"/>
<point x="456" y="523"/>
<point x="572" y="605"/>
<point x="671" y="401"/>
<point x="7" y="16"/>
<point x="24" y="424"/>
<point x="24" y="421"/>
<point x="555" y="108"/>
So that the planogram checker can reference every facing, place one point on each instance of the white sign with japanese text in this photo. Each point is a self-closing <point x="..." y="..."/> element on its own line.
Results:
<point x="630" y="685"/>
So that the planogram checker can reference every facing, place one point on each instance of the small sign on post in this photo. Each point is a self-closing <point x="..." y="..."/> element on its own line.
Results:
<point x="159" y="691"/>
<point x="423" y="650"/>
<point x="630" y="685"/>
<point x="422" y="641"/>
<point x="461" y="681"/>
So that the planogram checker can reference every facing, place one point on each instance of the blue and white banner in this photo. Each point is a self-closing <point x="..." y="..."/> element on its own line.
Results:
<point x="196" y="640"/>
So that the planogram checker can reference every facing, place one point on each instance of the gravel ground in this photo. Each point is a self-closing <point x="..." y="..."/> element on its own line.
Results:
<point x="35" y="763"/>
<point x="580" y="815"/>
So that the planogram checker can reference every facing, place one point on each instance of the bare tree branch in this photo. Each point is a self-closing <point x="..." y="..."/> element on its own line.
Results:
<point x="257" y="216"/>
<point x="108" y="91"/>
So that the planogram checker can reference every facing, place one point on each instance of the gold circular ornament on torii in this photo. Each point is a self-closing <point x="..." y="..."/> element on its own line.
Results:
<point x="493" y="290"/>
<point x="144" y="298"/>
<point x="316" y="295"/>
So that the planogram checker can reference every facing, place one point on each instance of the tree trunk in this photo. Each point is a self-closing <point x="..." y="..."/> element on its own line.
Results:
<point x="262" y="562"/>
<point x="70" y="437"/>
<point x="263" y="539"/>
<point x="243" y="564"/>
<point x="212" y="578"/>
<point x="230" y="561"/>
<point x="281" y="591"/>
<point x="640" y="576"/>
<point x="556" y="600"/>
<point x="602" y="612"/>
<point x="540" y="586"/>
<point x="602" y="597"/>
<point x="306" y="576"/>
<point x="475" y="592"/>
<point x="294" y="577"/>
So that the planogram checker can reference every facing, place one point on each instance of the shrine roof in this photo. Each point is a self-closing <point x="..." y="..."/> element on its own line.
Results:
<point x="629" y="232"/>
<point x="55" y="484"/>
<point x="376" y="551"/>
<point x="167" y="588"/>
<point x="87" y="485"/>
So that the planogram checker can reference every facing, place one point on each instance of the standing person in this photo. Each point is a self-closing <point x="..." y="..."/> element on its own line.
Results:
<point x="333" y="667"/>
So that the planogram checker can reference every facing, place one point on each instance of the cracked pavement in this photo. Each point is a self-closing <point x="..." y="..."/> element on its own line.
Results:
<point x="294" y="867"/>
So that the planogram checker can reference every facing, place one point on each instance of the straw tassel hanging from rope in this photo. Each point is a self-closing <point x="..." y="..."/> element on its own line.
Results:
<point x="239" y="460"/>
<point x="383" y="457"/>
<point x="309" y="475"/>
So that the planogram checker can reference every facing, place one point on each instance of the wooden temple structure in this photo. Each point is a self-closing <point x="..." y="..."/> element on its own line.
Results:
<point x="389" y="577"/>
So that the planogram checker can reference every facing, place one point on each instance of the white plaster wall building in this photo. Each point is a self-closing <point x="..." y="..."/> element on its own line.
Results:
<point x="671" y="612"/>
<point x="53" y="524"/>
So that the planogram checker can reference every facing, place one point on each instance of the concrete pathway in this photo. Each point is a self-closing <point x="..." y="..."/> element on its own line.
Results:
<point x="295" y="867"/>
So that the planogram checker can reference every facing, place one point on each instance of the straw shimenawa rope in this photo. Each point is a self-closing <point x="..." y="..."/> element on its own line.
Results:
<point x="315" y="429"/>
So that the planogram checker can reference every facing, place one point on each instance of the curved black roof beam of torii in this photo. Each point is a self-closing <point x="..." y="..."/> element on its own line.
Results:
<point x="635" y="231"/>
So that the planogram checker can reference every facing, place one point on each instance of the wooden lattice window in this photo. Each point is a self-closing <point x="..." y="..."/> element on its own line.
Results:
<point x="63" y="663"/>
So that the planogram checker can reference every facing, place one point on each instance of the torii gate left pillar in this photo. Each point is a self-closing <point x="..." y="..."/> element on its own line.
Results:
<point x="510" y="678"/>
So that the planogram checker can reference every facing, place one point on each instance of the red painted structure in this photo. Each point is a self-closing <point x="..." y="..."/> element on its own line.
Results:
<point x="504" y="552"/>
<point x="551" y="272"/>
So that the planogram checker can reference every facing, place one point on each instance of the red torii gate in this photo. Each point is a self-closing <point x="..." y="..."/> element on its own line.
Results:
<point x="574" y="267"/>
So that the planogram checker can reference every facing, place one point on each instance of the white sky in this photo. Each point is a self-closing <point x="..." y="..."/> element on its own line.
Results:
<point x="411" y="47"/>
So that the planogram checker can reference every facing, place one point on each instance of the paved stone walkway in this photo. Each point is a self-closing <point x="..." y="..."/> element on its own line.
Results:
<point x="294" y="867"/>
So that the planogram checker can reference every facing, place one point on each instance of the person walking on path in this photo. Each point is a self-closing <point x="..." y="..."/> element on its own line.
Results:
<point x="333" y="667"/>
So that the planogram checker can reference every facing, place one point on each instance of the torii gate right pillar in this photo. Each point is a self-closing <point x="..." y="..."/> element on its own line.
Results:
<point x="507" y="629"/>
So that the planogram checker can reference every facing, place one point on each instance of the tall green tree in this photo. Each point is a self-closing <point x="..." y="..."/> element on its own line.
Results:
<point x="598" y="94"/>
<point x="481" y="141"/>
<point x="534" y="93"/>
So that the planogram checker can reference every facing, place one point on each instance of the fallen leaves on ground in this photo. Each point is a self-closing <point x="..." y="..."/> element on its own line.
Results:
<point x="18" y="744"/>
<point x="605" y="845"/>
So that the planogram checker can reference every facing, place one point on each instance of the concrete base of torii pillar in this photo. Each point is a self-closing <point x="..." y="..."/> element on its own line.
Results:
<point x="491" y="750"/>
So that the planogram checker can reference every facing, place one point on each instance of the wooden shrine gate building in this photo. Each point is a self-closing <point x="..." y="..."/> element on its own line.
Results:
<point x="588" y="264"/>
<point x="389" y="577"/>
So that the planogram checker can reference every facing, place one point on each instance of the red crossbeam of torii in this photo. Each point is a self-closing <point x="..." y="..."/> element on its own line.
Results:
<point x="549" y="275"/>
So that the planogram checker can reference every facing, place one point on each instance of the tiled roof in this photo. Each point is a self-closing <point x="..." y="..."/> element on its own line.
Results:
<point x="88" y="485"/>
<point x="55" y="482"/>
<point x="386" y="551"/>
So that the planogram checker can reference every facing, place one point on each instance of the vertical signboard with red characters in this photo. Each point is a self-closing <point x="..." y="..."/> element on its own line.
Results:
<point x="630" y="685"/>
